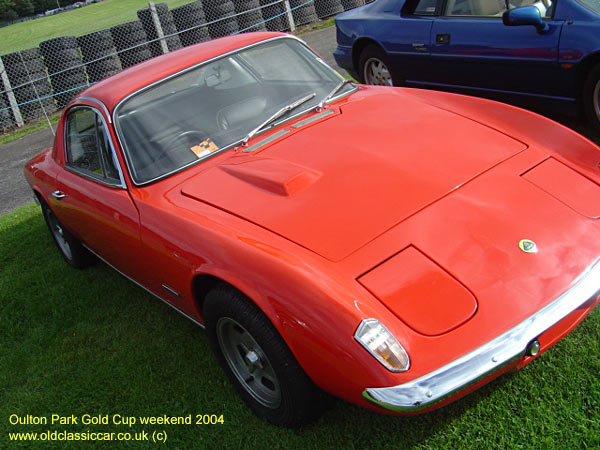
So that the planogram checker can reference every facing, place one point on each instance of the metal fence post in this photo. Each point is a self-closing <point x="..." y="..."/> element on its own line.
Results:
<point x="159" y="30"/>
<point x="290" y="17"/>
<point x="14" y="106"/>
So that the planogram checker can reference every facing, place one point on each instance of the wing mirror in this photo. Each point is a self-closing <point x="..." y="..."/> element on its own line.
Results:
<point x="525" y="15"/>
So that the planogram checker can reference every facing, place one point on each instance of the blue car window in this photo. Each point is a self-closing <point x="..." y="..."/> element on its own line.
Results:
<point x="594" y="5"/>
<point x="425" y="8"/>
<point x="545" y="6"/>
<point x="481" y="8"/>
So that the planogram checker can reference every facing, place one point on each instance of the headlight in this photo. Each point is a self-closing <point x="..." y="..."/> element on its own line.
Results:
<point x="380" y="343"/>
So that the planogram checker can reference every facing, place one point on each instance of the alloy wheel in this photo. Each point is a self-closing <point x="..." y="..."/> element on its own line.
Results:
<point x="248" y="362"/>
<point x="377" y="73"/>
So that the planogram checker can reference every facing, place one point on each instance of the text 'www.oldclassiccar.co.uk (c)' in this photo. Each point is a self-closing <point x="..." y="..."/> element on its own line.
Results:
<point x="97" y="427"/>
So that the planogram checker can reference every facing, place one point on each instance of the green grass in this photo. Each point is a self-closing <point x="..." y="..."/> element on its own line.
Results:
<point x="18" y="133"/>
<point x="312" y="27"/>
<point x="28" y="34"/>
<point x="91" y="342"/>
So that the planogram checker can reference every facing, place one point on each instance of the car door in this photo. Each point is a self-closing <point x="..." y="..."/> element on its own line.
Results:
<point x="404" y="32"/>
<point x="91" y="199"/>
<point x="472" y="48"/>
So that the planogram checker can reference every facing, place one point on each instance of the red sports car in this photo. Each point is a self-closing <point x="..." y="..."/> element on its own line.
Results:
<point x="393" y="247"/>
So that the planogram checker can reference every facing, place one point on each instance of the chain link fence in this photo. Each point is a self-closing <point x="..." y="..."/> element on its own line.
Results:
<point x="37" y="82"/>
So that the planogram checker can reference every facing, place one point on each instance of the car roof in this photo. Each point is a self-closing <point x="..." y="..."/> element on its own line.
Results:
<point x="113" y="89"/>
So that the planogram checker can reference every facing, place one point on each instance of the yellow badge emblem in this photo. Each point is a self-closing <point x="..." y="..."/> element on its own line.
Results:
<point x="528" y="246"/>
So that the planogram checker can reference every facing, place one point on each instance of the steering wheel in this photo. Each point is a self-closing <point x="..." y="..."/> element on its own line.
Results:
<point x="178" y="148"/>
<point x="186" y="139"/>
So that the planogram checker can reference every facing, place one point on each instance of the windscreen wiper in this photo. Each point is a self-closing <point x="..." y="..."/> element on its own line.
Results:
<point x="277" y="115"/>
<point x="332" y="93"/>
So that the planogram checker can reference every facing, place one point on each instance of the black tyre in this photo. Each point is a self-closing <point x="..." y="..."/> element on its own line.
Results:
<point x="15" y="68"/>
<point x="273" y="14"/>
<point x="327" y="8"/>
<point x="104" y="68"/>
<point x="106" y="65"/>
<point x="252" y="20"/>
<point x="350" y="4"/>
<point x="591" y="97"/>
<point x="258" y="362"/>
<point x="223" y="28"/>
<point x="168" y="27"/>
<point x="130" y="58"/>
<point x="69" y="247"/>
<point x="217" y="10"/>
<point x="63" y="60"/>
<point x="96" y="45"/>
<point x="67" y="84"/>
<point x="188" y="19"/>
<point x="303" y="13"/>
<point x="30" y="54"/>
<point x="58" y="44"/>
<point x="34" y="65"/>
<point x="374" y="68"/>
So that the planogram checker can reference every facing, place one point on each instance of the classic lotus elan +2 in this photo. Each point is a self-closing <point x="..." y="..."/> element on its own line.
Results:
<point x="392" y="247"/>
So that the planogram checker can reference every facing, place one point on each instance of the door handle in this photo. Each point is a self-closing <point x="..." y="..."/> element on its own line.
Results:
<point x="442" y="38"/>
<point x="59" y="195"/>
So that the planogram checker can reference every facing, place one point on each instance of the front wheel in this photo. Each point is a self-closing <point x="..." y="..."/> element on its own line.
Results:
<point x="258" y="362"/>
<point x="591" y="97"/>
<point x="375" y="68"/>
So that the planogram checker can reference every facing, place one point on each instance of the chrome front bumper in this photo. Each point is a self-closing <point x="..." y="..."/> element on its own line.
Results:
<point x="436" y="386"/>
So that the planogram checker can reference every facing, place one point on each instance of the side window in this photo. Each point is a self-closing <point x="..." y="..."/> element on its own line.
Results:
<point x="425" y="8"/>
<point x="544" y="6"/>
<point x="275" y="62"/>
<point x="88" y="148"/>
<point x="476" y="8"/>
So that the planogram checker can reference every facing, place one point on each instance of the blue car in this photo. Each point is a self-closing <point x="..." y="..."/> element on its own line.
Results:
<point x="541" y="54"/>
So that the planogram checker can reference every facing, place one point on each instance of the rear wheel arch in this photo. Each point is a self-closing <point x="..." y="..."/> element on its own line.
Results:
<point x="358" y="48"/>
<point x="39" y="196"/>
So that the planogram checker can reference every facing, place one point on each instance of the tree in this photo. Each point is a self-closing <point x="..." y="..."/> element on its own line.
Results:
<point x="7" y="11"/>
<point x="40" y="6"/>
<point x="23" y="8"/>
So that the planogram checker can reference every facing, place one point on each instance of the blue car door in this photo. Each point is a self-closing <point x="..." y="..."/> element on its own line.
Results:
<point x="471" y="48"/>
<point x="405" y="38"/>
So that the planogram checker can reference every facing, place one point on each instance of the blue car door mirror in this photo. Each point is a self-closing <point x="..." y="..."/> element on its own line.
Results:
<point x="525" y="15"/>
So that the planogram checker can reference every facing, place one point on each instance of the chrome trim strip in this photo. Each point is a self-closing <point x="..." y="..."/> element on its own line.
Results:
<point x="266" y="140"/>
<point x="171" y="290"/>
<point x="313" y="118"/>
<point x="144" y="287"/>
<point x="442" y="383"/>
<point x="104" y="108"/>
<point x="233" y="144"/>
<point x="419" y="83"/>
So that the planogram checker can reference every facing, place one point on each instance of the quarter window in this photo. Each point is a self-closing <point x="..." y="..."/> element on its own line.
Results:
<point x="88" y="148"/>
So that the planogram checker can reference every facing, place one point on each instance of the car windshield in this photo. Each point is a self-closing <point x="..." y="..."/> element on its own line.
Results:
<point x="194" y="115"/>
<point x="594" y="5"/>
